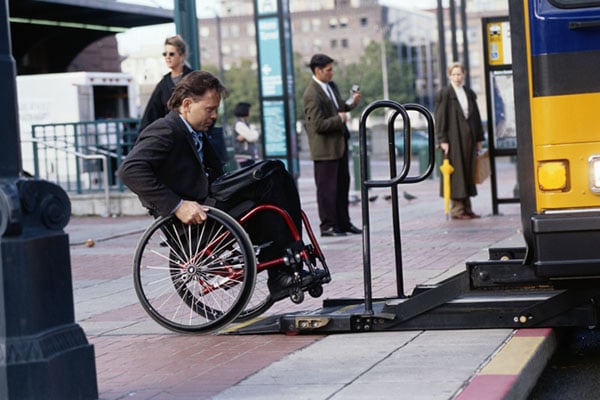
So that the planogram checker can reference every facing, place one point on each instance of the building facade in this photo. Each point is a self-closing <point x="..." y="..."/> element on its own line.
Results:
<point x="342" y="28"/>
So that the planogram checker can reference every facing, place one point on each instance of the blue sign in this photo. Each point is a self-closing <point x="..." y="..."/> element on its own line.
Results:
<point x="270" y="57"/>
<point x="274" y="128"/>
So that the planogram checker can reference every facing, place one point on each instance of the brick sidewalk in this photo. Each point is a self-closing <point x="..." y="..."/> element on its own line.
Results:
<point x="136" y="358"/>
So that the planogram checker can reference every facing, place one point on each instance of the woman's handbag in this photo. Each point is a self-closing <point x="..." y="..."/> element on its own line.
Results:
<point x="482" y="167"/>
<point x="241" y="182"/>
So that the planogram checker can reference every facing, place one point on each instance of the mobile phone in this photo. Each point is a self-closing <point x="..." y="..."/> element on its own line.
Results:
<point x="355" y="88"/>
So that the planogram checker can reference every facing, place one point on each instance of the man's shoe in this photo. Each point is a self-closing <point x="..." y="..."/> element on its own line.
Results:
<point x="279" y="282"/>
<point x="353" y="229"/>
<point x="283" y="281"/>
<point x="473" y="215"/>
<point x="332" y="232"/>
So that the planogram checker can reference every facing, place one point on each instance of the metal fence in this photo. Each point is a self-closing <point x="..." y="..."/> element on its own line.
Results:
<point x="78" y="155"/>
<point x="83" y="157"/>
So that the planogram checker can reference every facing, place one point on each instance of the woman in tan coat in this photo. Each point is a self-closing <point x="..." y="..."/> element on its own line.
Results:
<point x="459" y="134"/>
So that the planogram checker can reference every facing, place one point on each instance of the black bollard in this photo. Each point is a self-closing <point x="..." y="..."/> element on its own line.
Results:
<point x="44" y="354"/>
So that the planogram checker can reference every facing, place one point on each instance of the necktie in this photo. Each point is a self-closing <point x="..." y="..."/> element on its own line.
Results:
<point x="332" y="97"/>
<point x="197" y="137"/>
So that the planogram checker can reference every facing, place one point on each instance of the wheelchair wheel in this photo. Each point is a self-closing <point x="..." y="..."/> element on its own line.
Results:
<point x="260" y="301"/>
<point x="194" y="278"/>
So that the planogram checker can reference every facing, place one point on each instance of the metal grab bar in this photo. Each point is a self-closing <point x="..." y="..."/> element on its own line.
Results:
<point x="395" y="179"/>
<point x="102" y="158"/>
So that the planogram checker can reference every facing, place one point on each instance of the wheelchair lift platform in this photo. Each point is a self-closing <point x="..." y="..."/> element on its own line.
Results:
<point x="490" y="294"/>
<point x="503" y="292"/>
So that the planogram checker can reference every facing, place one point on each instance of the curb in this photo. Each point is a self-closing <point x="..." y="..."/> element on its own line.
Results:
<point x="512" y="372"/>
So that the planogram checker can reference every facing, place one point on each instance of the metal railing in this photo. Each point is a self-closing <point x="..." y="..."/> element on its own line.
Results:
<point x="102" y="158"/>
<point x="81" y="157"/>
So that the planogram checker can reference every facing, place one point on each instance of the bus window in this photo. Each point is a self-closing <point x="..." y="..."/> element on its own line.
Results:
<point x="574" y="3"/>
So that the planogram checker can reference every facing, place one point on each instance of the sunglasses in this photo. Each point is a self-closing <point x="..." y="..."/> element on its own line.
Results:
<point x="170" y="54"/>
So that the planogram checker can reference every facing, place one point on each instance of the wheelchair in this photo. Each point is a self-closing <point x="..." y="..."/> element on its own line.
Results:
<point x="200" y="278"/>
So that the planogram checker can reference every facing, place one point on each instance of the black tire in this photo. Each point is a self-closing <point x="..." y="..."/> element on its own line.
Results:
<point x="194" y="278"/>
<point x="316" y="291"/>
<point x="260" y="301"/>
<point x="297" y="296"/>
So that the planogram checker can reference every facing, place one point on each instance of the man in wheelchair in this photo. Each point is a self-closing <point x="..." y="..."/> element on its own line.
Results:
<point x="172" y="164"/>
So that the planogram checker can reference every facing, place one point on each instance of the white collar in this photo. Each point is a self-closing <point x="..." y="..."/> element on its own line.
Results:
<point x="323" y="85"/>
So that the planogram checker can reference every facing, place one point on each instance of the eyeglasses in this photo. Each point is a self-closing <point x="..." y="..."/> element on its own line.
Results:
<point x="170" y="54"/>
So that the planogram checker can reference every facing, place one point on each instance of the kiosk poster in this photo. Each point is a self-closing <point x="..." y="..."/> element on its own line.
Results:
<point x="498" y="35"/>
<point x="274" y="128"/>
<point x="503" y="106"/>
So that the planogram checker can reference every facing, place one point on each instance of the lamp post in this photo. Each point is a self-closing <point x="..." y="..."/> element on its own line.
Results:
<point x="384" y="69"/>
<point x="220" y="65"/>
<point x="45" y="354"/>
<point x="385" y="34"/>
<point x="186" y="24"/>
<point x="441" y="43"/>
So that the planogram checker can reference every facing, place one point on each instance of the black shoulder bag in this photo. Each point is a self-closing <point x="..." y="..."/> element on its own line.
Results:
<point x="240" y="184"/>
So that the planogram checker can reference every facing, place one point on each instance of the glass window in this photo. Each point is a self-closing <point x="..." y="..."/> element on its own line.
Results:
<point x="364" y="21"/>
<point x="333" y="43"/>
<point x="316" y="24"/>
<point x="343" y="22"/>
<point x="333" y="23"/>
<point x="305" y="25"/>
<point x="574" y="3"/>
<point x="317" y="45"/>
<point x="251" y="30"/>
<point x="344" y="43"/>
<point x="234" y="30"/>
<point x="224" y="31"/>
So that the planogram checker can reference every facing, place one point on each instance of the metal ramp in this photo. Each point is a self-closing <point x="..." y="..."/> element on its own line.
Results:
<point x="502" y="292"/>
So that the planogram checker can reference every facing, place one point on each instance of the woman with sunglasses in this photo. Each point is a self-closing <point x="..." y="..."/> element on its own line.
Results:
<point x="174" y="55"/>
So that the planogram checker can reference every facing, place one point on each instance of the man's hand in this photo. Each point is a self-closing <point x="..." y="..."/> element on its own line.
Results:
<point x="343" y="116"/>
<point x="190" y="212"/>
<point x="355" y="98"/>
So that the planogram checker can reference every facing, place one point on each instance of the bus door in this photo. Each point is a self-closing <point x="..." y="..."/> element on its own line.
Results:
<point x="556" y="58"/>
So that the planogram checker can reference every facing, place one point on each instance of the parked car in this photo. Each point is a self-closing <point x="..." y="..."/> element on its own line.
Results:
<point x="418" y="142"/>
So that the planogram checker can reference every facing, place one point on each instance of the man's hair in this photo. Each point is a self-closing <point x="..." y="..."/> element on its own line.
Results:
<point x="178" y="42"/>
<point x="319" y="61"/>
<point x="195" y="84"/>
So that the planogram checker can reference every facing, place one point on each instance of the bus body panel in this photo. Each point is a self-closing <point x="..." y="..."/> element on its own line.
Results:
<point x="556" y="53"/>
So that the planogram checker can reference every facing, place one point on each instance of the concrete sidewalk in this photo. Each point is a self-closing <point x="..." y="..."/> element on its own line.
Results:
<point x="138" y="359"/>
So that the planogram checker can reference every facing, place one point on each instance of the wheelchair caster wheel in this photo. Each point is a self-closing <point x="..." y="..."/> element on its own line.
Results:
<point x="297" y="296"/>
<point x="316" y="291"/>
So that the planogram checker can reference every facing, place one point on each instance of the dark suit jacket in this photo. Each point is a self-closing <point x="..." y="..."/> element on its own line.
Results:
<point x="326" y="131"/>
<point x="163" y="167"/>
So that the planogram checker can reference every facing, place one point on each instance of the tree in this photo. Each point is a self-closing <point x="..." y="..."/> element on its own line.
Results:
<point x="241" y="82"/>
<point x="302" y="77"/>
<point x="366" y="73"/>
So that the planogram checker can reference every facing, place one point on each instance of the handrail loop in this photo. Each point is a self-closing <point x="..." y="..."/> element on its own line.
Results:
<point x="394" y="180"/>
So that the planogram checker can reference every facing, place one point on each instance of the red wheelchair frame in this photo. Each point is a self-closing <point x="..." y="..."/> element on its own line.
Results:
<point x="199" y="278"/>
